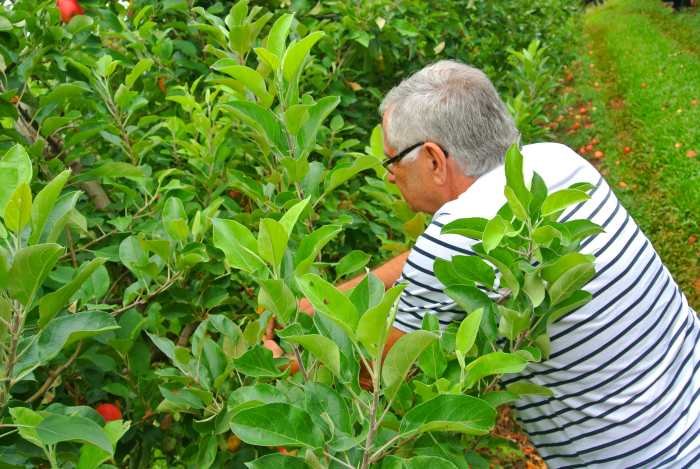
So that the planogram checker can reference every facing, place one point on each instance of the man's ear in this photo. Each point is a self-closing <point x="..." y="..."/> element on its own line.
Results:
<point x="438" y="162"/>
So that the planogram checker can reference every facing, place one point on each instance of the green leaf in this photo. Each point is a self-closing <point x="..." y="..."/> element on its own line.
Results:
<point x="323" y="403"/>
<point x="60" y="216"/>
<point x="539" y="193"/>
<point x="265" y="121"/>
<point x="113" y="169"/>
<point x="368" y="293"/>
<point x="312" y="244"/>
<point x="570" y="282"/>
<point x="558" y="201"/>
<point x="577" y="230"/>
<point x="467" y="332"/>
<point x="51" y="303"/>
<point x="417" y="462"/>
<point x="267" y="57"/>
<point x="533" y="286"/>
<point x="272" y="242"/>
<point x="526" y="388"/>
<point x="401" y="357"/>
<point x="64" y="93"/>
<point x="257" y="362"/>
<point x="467" y="297"/>
<point x="469" y="227"/>
<point x="432" y="362"/>
<point x="30" y="268"/>
<point x="545" y="234"/>
<point x="507" y="276"/>
<point x="514" y="176"/>
<point x="317" y="114"/>
<point x="494" y="363"/>
<point x="44" y="203"/>
<point x="373" y="326"/>
<point x="5" y="25"/>
<point x="493" y="233"/>
<point x="79" y="23"/>
<point x="330" y="302"/>
<point x="27" y="420"/>
<point x="296" y="54"/>
<point x="141" y="67"/>
<point x="342" y="174"/>
<point x="105" y="66"/>
<point x="450" y="413"/>
<point x="238" y="244"/>
<point x="515" y="205"/>
<point x="4" y="268"/>
<point x="513" y="322"/>
<point x="321" y="347"/>
<point x="475" y="269"/>
<point x="252" y="396"/>
<point x="59" y="333"/>
<point x="291" y="216"/>
<point x="277" y="461"/>
<point x="246" y="75"/>
<point x="499" y="398"/>
<point x="551" y="272"/>
<point x="352" y="262"/>
<point x="295" y="116"/>
<point x="18" y="211"/>
<point x="277" y="36"/>
<point x="277" y="298"/>
<point x="57" y="428"/>
<point x="206" y="453"/>
<point x="185" y="398"/>
<point x="15" y="169"/>
<point x="575" y="300"/>
<point x="175" y="219"/>
<point x="276" y="424"/>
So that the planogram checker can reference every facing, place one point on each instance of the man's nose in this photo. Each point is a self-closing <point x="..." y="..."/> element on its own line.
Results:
<point x="390" y="177"/>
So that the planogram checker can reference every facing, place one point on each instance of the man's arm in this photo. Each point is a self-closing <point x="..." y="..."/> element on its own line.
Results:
<point x="388" y="273"/>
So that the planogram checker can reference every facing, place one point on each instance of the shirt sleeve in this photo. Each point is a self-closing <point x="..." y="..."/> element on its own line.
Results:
<point x="424" y="292"/>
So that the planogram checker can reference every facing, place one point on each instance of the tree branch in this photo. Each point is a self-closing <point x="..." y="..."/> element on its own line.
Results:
<point x="55" y="374"/>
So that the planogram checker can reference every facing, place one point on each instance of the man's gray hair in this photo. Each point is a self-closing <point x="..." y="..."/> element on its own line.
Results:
<point x="455" y="106"/>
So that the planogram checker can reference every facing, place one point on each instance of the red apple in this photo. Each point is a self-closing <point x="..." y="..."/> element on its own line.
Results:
<point x="68" y="9"/>
<point x="109" y="411"/>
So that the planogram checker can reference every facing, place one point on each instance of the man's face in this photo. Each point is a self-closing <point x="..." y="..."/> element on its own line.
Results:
<point x="410" y="176"/>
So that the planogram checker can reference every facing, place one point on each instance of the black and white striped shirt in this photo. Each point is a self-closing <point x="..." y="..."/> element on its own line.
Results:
<point x="624" y="367"/>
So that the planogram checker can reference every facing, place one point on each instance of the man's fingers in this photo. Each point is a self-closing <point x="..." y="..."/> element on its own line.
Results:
<point x="305" y="306"/>
<point x="272" y="346"/>
<point x="270" y="328"/>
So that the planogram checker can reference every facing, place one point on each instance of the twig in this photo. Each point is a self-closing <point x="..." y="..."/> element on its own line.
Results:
<point x="146" y="299"/>
<point x="185" y="334"/>
<point x="55" y="374"/>
<point x="339" y="461"/>
<point x="71" y="248"/>
<point x="382" y="451"/>
<point x="304" y="371"/>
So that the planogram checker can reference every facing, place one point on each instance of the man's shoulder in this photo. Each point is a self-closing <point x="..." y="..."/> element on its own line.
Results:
<point x="556" y="163"/>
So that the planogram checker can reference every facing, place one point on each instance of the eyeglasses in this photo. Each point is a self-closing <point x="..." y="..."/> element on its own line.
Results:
<point x="396" y="158"/>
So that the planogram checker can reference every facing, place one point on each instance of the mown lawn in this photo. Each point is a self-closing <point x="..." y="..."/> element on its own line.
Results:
<point x="634" y="110"/>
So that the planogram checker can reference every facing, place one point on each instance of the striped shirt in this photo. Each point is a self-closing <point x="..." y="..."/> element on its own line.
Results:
<point x="624" y="367"/>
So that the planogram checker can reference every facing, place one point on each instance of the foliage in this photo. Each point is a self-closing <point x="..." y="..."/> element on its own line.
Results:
<point x="191" y="179"/>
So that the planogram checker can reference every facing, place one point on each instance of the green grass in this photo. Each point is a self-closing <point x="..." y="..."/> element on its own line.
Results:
<point x="640" y="83"/>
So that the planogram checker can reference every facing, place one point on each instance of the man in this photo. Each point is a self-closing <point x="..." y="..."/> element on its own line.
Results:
<point x="623" y="368"/>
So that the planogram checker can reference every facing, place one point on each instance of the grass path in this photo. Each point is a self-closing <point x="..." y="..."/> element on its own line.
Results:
<point x="635" y="112"/>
